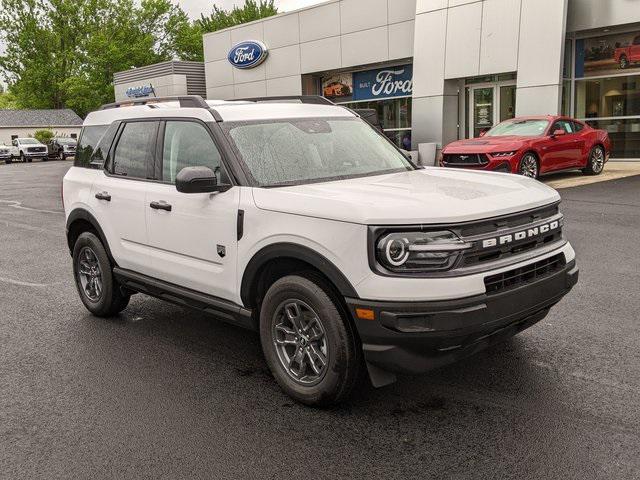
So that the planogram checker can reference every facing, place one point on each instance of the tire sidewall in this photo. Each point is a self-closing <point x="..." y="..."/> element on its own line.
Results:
<point x="337" y="335"/>
<point x="590" y="161"/>
<point x="88" y="239"/>
<point x="522" y="162"/>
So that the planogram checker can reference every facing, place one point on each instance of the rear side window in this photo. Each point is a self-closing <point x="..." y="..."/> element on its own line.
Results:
<point x="134" y="153"/>
<point x="577" y="126"/>
<point x="89" y="138"/>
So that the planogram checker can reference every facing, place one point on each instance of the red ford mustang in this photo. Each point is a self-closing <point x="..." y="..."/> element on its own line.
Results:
<point x="532" y="146"/>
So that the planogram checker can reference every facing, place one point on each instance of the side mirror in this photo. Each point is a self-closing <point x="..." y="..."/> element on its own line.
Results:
<point x="558" y="133"/>
<point x="198" y="180"/>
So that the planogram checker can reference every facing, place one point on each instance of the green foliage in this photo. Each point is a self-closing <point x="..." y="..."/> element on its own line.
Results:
<point x="43" y="136"/>
<point x="63" y="53"/>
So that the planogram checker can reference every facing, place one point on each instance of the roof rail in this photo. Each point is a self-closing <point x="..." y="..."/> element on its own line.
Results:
<point x="186" y="101"/>
<point x="309" y="99"/>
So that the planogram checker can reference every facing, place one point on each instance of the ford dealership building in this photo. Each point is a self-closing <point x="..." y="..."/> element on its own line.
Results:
<point x="440" y="70"/>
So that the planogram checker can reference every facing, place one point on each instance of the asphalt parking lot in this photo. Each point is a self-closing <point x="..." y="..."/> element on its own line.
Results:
<point x="163" y="392"/>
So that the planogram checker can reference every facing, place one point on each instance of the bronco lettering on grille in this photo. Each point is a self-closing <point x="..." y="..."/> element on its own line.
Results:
<point x="521" y="235"/>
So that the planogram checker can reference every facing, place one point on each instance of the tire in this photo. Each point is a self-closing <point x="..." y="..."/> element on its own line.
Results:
<point x="529" y="166"/>
<point x="595" y="162"/>
<point x="9" y="161"/>
<point x="89" y="255"/>
<point x="61" y="155"/>
<point x="624" y="62"/>
<point x="310" y="306"/>
<point x="22" y="159"/>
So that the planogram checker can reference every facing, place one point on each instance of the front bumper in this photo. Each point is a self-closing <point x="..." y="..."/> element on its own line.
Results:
<point x="415" y="337"/>
<point x="494" y="164"/>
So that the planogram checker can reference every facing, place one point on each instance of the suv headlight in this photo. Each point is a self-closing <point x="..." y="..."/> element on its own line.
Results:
<point x="406" y="252"/>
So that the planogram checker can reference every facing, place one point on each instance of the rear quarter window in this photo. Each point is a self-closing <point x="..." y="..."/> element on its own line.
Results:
<point x="90" y="136"/>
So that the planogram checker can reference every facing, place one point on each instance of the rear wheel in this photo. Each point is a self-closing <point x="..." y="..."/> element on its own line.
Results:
<point x="60" y="155"/>
<point x="307" y="341"/>
<point x="595" y="163"/>
<point x="529" y="166"/>
<point x="96" y="285"/>
<point x="8" y="160"/>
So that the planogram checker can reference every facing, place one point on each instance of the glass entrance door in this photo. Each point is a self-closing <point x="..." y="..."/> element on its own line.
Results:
<point x="490" y="104"/>
<point x="482" y="109"/>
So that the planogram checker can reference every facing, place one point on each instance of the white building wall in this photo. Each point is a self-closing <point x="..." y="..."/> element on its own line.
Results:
<point x="457" y="39"/>
<point x="334" y="35"/>
<point x="22" y="132"/>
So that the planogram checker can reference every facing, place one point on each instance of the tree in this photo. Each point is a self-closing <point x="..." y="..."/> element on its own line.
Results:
<point x="188" y="41"/>
<point x="43" y="136"/>
<point x="63" y="53"/>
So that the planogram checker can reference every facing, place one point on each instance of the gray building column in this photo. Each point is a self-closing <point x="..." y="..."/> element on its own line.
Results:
<point x="540" y="57"/>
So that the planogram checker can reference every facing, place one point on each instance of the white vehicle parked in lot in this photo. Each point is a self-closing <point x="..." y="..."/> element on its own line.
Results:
<point x="295" y="218"/>
<point x="5" y="153"/>
<point x="26" y="149"/>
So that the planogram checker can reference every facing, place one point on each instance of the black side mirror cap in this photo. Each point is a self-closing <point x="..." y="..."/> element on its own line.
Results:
<point x="198" y="180"/>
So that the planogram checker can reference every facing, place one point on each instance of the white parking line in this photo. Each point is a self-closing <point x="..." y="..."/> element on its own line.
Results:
<point x="16" y="204"/>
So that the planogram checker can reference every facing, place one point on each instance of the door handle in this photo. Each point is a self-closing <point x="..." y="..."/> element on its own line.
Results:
<point x="161" y="205"/>
<point x="103" y="196"/>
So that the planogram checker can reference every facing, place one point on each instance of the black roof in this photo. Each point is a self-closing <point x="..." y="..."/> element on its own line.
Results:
<point x="39" y="118"/>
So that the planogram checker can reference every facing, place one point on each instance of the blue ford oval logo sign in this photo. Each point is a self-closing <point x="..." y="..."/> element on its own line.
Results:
<point x="248" y="54"/>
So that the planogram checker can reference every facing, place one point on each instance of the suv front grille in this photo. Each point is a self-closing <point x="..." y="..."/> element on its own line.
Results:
<point x="523" y="275"/>
<point x="464" y="159"/>
<point x="36" y="149"/>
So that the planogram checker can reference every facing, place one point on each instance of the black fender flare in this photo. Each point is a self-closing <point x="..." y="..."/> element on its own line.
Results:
<point x="82" y="214"/>
<point x="296" y="252"/>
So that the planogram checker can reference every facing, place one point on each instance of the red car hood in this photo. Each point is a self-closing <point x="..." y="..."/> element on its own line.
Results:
<point x="486" y="144"/>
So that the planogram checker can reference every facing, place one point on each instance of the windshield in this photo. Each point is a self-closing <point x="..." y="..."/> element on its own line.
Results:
<point x="66" y="141"/>
<point x="29" y="141"/>
<point x="525" y="128"/>
<point x="286" y="152"/>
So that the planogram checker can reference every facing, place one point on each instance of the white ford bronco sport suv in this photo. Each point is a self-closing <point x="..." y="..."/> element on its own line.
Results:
<point x="295" y="218"/>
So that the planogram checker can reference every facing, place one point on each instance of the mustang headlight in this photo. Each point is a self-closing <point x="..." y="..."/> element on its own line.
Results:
<point x="406" y="252"/>
<point x="503" y="154"/>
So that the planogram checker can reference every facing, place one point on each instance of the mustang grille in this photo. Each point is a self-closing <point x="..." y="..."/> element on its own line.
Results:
<point x="523" y="275"/>
<point x="464" y="159"/>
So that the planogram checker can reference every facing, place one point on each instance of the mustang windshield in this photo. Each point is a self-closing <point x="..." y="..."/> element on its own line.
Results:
<point x="525" y="128"/>
<point x="294" y="151"/>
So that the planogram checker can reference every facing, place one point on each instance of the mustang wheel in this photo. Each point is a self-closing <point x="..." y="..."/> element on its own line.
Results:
<point x="98" y="290"/>
<point x="308" y="342"/>
<point x="529" y="166"/>
<point x="624" y="62"/>
<point x="595" y="163"/>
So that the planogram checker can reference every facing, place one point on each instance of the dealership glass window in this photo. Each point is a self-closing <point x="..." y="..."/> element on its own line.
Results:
<point x="608" y="97"/>
<point x="624" y="134"/>
<point x="395" y="118"/>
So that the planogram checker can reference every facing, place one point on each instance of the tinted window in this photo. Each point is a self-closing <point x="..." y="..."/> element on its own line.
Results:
<point x="133" y="156"/>
<point x="565" y="125"/>
<point x="577" y="126"/>
<point x="187" y="144"/>
<point x="89" y="138"/>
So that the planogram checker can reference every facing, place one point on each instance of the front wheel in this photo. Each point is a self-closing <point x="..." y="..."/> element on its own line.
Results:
<point x="96" y="285"/>
<point x="595" y="163"/>
<point x="624" y="62"/>
<point x="308" y="342"/>
<point x="60" y="155"/>
<point x="8" y="161"/>
<point x="529" y="166"/>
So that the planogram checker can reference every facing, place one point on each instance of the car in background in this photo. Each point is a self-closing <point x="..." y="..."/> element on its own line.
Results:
<point x="625" y="56"/>
<point x="5" y="153"/>
<point x="532" y="146"/>
<point x="26" y="149"/>
<point x="61" y="148"/>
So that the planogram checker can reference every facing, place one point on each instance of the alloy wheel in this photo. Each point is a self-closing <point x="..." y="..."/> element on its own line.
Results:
<point x="90" y="274"/>
<point x="300" y="341"/>
<point x="597" y="160"/>
<point x="529" y="166"/>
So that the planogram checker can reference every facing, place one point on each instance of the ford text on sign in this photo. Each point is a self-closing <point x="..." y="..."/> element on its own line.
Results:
<point x="248" y="54"/>
<point x="383" y="83"/>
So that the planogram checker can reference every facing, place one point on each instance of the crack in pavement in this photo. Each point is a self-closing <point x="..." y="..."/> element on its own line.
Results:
<point x="18" y="205"/>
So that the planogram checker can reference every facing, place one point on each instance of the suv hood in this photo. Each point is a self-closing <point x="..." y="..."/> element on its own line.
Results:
<point x="432" y="195"/>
